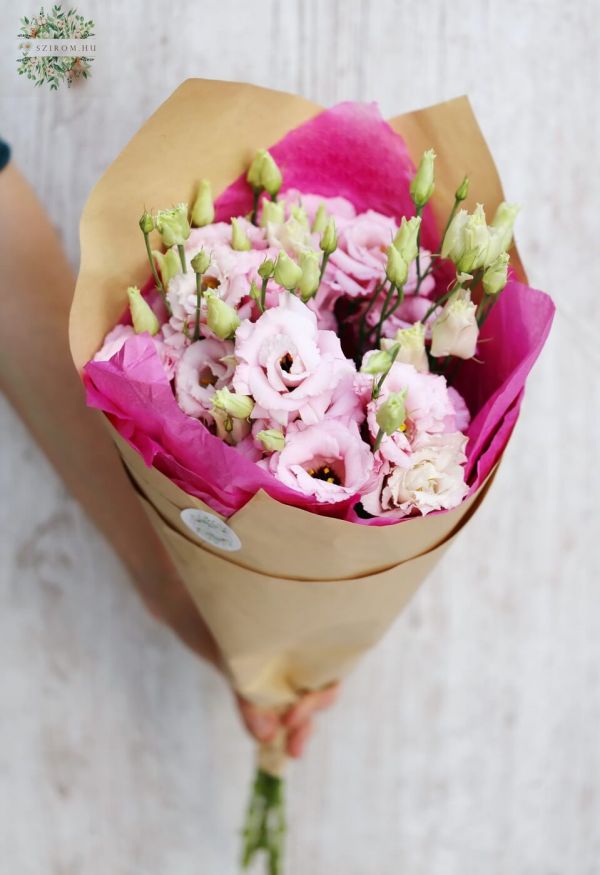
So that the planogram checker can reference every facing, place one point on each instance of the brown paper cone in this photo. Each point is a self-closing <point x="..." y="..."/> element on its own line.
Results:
<point x="304" y="596"/>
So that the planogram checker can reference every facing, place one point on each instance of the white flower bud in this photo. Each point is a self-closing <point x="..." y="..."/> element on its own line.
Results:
<point x="396" y="269"/>
<point x="239" y="406"/>
<point x="220" y="317"/>
<point x="405" y="240"/>
<point x="142" y="314"/>
<point x="203" y="210"/>
<point x="455" y="331"/>
<point x="421" y="187"/>
<point x="272" y="440"/>
<point x="239" y="239"/>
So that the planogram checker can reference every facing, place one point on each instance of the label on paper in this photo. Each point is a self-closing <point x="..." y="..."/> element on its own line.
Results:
<point x="211" y="529"/>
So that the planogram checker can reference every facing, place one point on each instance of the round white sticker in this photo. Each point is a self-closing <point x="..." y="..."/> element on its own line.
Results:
<point x="211" y="529"/>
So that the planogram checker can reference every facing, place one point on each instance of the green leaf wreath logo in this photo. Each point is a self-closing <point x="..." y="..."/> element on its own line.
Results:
<point x="53" y="46"/>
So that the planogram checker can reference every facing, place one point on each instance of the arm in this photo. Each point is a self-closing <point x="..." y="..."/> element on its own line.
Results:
<point x="39" y="379"/>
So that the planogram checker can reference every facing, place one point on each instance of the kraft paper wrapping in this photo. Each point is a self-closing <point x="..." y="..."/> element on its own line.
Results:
<point x="305" y="595"/>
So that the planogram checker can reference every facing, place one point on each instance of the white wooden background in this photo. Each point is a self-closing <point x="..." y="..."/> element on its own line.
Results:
<point x="468" y="742"/>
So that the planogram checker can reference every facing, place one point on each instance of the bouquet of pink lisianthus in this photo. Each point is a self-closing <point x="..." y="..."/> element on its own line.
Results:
<point x="315" y="363"/>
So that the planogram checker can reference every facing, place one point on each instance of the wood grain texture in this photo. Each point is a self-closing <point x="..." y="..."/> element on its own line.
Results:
<point x="468" y="741"/>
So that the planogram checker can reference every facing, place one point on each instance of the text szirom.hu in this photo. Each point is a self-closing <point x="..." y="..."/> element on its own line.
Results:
<point x="57" y="47"/>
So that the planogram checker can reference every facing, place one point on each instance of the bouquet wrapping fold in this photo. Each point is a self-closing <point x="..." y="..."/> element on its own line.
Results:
<point x="294" y="592"/>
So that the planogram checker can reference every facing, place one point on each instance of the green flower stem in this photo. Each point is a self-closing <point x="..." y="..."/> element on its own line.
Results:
<point x="457" y="202"/>
<point x="378" y="440"/>
<point x="484" y="308"/>
<point x="363" y="319"/>
<point x="434" y="258"/>
<point x="198" y="305"/>
<point x="255" y="197"/>
<point x="181" y="251"/>
<point x="264" y="828"/>
<point x="378" y="385"/>
<point x="383" y="317"/>
<point x="157" y="280"/>
<point x="440" y="302"/>
<point x="323" y="265"/>
<point x="263" y="294"/>
<point x="419" y="277"/>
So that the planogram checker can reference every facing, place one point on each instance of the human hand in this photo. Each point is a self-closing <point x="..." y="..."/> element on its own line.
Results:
<point x="263" y="724"/>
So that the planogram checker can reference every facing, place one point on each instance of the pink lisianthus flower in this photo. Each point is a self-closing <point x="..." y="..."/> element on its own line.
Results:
<point x="432" y="479"/>
<point x="462" y="417"/>
<point x="328" y="460"/>
<point x="168" y="352"/>
<point x="205" y="365"/>
<point x="362" y="246"/>
<point x="428" y="405"/>
<point x="230" y="272"/>
<point x="287" y="364"/>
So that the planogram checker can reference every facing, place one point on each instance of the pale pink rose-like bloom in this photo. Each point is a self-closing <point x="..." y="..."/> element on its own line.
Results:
<point x="287" y="364"/>
<point x="432" y="480"/>
<point x="462" y="417"/>
<point x="429" y="409"/>
<point x="206" y="365"/>
<point x="232" y="273"/>
<point x="168" y="353"/>
<point x="362" y="246"/>
<point x="455" y="331"/>
<point x="328" y="460"/>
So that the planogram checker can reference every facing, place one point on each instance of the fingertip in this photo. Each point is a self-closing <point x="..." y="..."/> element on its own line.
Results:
<point x="296" y="742"/>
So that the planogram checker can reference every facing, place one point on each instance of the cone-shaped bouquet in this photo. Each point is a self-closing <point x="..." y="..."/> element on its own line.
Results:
<point x="297" y="582"/>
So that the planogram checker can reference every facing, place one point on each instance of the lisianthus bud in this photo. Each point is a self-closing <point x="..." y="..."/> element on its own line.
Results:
<point x="299" y="214"/>
<point x="173" y="225"/>
<point x="463" y="190"/>
<point x="328" y="242"/>
<point x="264" y="173"/>
<point x="467" y="240"/>
<point x="272" y="440"/>
<point x="391" y="414"/>
<point x="504" y="221"/>
<point x="287" y="273"/>
<point x="320" y="221"/>
<point x="221" y="318"/>
<point x="201" y="261"/>
<point x="239" y="239"/>
<point x="271" y="212"/>
<point x="168" y="264"/>
<point x="265" y="271"/>
<point x="311" y="271"/>
<point x="142" y="314"/>
<point x="270" y="175"/>
<point x="406" y="238"/>
<point x="411" y="343"/>
<point x="253" y="176"/>
<point x="146" y="222"/>
<point x="203" y="210"/>
<point x="240" y="406"/>
<point x="495" y="276"/>
<point x="378" y="362"/>
<point x="421" y="187"/>
<point x="396" y="269"/>
<point x="455" y="331"/>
